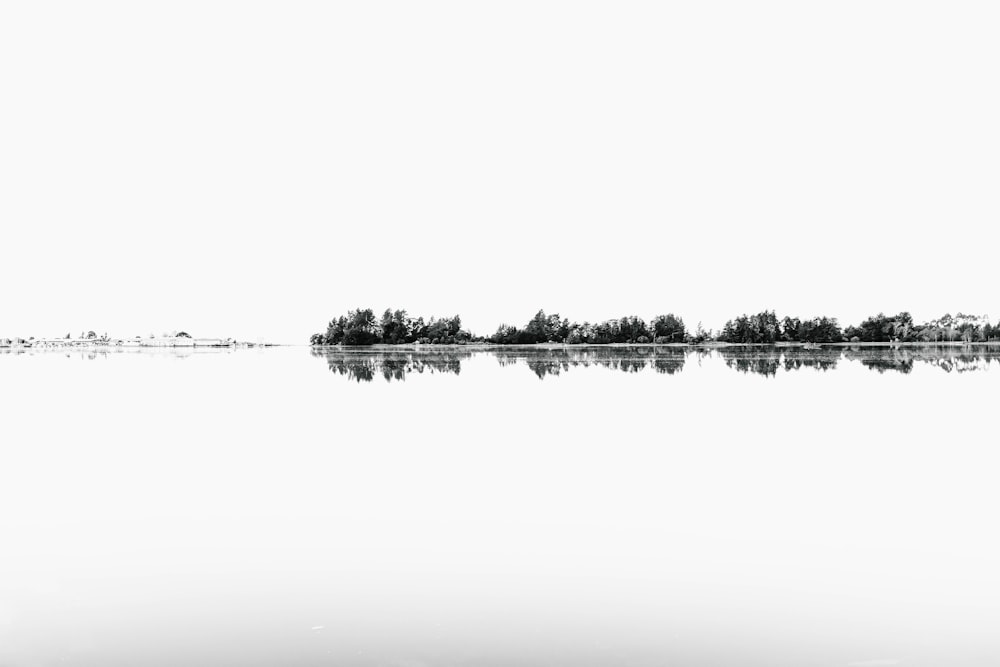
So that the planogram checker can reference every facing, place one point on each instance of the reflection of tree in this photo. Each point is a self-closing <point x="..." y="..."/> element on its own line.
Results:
<point x="543" y="367"/>
<point x="553" y="361"/>
<point x="365" y="365"/>
<point x="767" y="360"/>
<point x="822" y="359"/>
<point x="757" y="360"/>
<point x="960" y="359"/>
<point x="883" y="364"/>
<point x="669" y="364"/>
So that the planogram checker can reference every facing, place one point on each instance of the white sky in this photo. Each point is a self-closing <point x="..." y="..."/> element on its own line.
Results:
<point x="252" y="169"/>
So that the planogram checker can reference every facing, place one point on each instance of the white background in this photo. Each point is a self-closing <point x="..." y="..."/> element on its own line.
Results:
<point x="251" y="169"/>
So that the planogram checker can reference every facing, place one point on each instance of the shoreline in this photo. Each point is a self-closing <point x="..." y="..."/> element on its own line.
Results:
<point x="421" y="347"/>
<point x="113" y="345"/>
<point x="427" y="347"/>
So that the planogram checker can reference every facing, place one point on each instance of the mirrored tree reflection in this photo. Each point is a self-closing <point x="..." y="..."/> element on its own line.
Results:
<point x="768" y="360"/>
<point x="949" y="358"/>
<point x="367" y="364"/>
<point x="759" y="361"/>
<point x="822" y="359"/>
<point x="553" y="361"/>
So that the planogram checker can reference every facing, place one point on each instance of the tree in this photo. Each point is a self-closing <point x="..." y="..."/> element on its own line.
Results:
<point x="437" y="330"/>
<point x="825" y="330"/>
<point x="790" y="329"/>
<point x="335" y="331"/>
<point x="901" y="326"/>
<point x="395" y="327"/>
<point x="762" y="328"/>
<point x="505" y="335"/>
<point x="700" y="335"/>
<point x="882" y="328"/>
<point x="534" y="330"/>
<point x="556" y="329"/>
<point x="360" y="328"/>
<point x="418" y="329"/>
<point x="668" y="327"/>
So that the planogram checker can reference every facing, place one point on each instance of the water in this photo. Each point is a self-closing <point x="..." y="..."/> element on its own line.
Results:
<point x="593" y="506"/>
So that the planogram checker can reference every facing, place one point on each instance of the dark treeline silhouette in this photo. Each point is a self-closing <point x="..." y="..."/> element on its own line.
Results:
<point x="765" y="328"/>
<point x="362" y="327"/>
<point x="947" y="328"/>
<point x="395" y="327"/>
<point x="544" y="328"/>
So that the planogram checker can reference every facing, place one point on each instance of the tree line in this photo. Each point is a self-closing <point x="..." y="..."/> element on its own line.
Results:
<point x="765" y="328"/>
<point x="544" y="328"/>
<point x="397" y="327"/>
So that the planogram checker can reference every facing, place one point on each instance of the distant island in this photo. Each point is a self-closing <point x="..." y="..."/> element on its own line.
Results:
<point x="396" y="327"/>
<point x="91" y="339"/>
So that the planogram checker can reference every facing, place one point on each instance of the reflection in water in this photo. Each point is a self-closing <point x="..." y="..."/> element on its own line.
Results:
<point x="947" y="358"/>
<point x="629" y="360"/>
<point x="768" y="360"/>
<point x="105" y="352"/>
<point x="365" y="364"/>
<point x="238" y="507"/>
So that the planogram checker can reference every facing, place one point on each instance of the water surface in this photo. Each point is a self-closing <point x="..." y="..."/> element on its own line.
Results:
<point x="577" y="506"/>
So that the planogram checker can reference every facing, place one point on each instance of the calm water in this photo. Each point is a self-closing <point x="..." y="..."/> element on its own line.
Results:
<point x="588" y="506"/>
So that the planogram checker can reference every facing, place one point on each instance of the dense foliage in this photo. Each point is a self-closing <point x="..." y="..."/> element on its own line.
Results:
<point x="362" y="327"/>
<point x="883" y="328"/>
<point x="544" y="328"/>
<point x="765" y="328"/>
